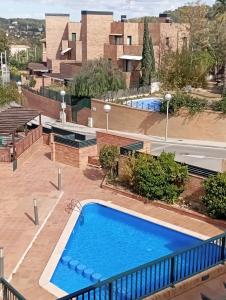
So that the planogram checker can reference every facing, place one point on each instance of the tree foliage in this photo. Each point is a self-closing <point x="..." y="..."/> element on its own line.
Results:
<point x="183" y="100"/>
<point x="157" y="178"/>
<point x="108" y="157"/>
<point x="215" y="196"/>
<point x="187" y="67"/>
<point x="9" y="93"/>
<point x="96" y="78"/>
<point x="4" y="44"/>
<point x="148" y="57"/>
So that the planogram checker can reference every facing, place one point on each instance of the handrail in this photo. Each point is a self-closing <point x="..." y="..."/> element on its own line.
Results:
<point x="9" y="292"/>
<point x="171" y="262"/>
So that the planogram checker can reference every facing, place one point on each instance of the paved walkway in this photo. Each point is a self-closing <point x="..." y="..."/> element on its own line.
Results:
<point x="36" y="178"/>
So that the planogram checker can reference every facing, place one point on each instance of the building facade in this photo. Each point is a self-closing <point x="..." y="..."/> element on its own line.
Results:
<point x="70" y="44"/>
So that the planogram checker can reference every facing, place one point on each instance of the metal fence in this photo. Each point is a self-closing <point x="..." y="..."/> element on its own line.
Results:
<point x="157" y="275"/>
<point x="8" y="292"/>
<point x="55" y="95"/>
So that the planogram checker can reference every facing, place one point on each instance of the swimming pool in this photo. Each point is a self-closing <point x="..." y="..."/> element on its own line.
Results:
<point x="152" y="104"/>
<point x="106" y="241"/>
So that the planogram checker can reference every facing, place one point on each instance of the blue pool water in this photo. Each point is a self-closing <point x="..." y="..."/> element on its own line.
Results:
<point x="106" y="242"/>
<point x="152" y="104"/>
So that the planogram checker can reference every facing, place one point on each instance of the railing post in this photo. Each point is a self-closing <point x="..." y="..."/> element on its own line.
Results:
<point x="172" y="274"/>
<point x="36" y="212"/>
<point x="1" y="262"/>
<point x="223" y="249"/>
<point x="110" y="290"/>
<point x="59" y="179"/>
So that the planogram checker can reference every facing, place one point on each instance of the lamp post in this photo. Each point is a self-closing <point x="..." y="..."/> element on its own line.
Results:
<point x="19" y="84"/>
<point x="168" y="97"/>
<point x="107" y="109"/>
<point x="63" y="106"/>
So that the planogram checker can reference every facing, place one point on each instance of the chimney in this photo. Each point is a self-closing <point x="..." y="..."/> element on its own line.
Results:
<point x="164" y="18"/>
<point x="123" y="18"/>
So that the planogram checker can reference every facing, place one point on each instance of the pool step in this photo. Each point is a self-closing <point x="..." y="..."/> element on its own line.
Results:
<point x="80" y="268"/>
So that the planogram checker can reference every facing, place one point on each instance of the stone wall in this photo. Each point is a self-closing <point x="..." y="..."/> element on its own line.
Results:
<point x="207" y="125"/>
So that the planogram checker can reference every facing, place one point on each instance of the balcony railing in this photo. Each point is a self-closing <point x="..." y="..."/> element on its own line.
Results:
<point x="157" y="275"/>
<point x="8" y="292"/>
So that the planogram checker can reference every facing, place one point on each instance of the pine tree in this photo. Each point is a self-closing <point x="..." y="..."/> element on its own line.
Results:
<point x="148" y="59"/>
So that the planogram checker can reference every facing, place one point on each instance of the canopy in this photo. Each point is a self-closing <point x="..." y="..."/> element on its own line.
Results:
<point x="65" y="51"/>
<point x="13" y="118"/>
<point x="131" y="57"/>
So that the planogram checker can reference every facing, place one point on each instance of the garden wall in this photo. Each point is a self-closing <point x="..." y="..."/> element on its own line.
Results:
<point x="104" y="138"/>
<point x="46" y="106"/>
<point x="207" y="125"/>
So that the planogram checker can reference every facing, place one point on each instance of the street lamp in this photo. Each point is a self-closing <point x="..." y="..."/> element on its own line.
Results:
<point x="107" y="109"/>
<point x="63" y="106"/>
<point x="19" y="84"/>
<point x="168" y="97"/>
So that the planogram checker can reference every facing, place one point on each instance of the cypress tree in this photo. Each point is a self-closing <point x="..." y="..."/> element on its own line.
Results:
<point x="148" y="58"/>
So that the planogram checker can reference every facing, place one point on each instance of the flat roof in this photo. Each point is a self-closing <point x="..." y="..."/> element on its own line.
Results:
<point x="13" y="118"/>
<point x="38" y="67"/>
<point x="93" y="12"/>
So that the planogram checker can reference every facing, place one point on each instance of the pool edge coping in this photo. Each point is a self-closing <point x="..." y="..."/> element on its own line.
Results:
<point x="56" y="254"/>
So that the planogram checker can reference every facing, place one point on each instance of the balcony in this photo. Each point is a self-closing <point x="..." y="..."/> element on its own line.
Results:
<point x="132" y="50"/>
<point x="113" y="51"/>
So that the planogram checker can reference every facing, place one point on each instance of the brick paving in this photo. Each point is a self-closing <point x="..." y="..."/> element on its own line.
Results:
<point x="36" y="178"/>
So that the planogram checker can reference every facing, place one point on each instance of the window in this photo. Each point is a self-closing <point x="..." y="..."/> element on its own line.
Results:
<point x="129" y="40"/>
<point x="128" y="66"/>
<point x="167" y="41"/>
<point x="118" y="40"/>
<point x="73" y="36"/>
<point x="185" y="42"/>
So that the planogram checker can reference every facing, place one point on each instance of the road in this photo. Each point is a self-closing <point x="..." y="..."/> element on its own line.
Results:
<point x="201" y="156"/>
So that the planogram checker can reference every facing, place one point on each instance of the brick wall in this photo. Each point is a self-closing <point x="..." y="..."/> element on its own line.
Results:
<point x="56" y="31"/>
<point x="95" y="33"/>
<point x="83" y="115"/>
<point x="112" y="139"/>
<point x="46" y="106"/>
<point x="209" y="125"/>
<point x="69" y="70"/>
<point x="76" y="157"/>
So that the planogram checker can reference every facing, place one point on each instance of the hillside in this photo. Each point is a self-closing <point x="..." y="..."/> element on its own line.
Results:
<point x="23" y="31"/>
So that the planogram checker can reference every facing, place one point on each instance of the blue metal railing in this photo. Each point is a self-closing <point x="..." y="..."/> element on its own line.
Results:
<point x="8" y="292"/>
<point x="157" y="275"/>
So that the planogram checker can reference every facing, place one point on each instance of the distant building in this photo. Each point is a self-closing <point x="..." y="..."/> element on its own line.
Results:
<point x="15" y="49"/>
<point x="70" y="44"/>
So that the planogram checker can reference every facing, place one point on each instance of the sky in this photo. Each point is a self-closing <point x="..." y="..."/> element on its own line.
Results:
<point x="131" y="8"/>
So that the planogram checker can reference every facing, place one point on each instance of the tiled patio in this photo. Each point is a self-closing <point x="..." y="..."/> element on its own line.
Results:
<point x="37" y="178"/>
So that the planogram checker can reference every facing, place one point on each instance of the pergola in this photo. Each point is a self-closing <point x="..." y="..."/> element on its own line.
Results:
<point x="14" y="118"/>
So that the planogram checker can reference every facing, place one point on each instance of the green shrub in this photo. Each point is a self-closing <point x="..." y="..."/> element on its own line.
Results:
<point x="159" y="178"/>
<point x="32" y="82"/>
<point x="108" y="157"/>
<point x="220" y="105"/>
<point x="215" y="195"/>
<point x="182" y="100"/>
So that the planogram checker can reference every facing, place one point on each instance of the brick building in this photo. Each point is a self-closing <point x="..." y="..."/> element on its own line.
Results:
<point x="69" y="44"/>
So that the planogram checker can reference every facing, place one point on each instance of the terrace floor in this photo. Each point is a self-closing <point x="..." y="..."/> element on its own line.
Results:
<point x="37" y="178"/>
